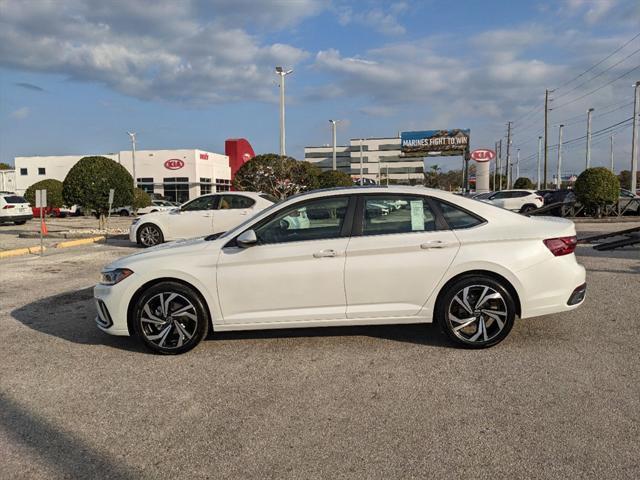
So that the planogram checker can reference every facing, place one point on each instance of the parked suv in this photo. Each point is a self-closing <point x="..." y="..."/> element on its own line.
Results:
<point x="565" y="199"/>
<point x="14" y="208"/>
<point x="522" y="201"/>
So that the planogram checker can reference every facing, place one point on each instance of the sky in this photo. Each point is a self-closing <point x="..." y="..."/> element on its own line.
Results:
<point x="76" y="75"/>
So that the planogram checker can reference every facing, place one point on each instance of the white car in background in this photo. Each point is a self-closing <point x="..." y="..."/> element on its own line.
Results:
<point x="14" y="209"/>
<point x="467" y="265"/>
<point x="157" y="206"/>
<point x="522" y="201"/>
<point x="205" y="215"/>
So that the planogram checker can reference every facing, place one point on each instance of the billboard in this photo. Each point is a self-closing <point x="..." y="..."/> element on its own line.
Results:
<point x="434" y="142"/>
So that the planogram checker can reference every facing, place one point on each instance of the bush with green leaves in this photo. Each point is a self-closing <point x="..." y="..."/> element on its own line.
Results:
<point x="141" y="198"/>
<point x="597" y="187"/>
<point x="276" y="175"/>
<point x="54" y="192"/>
<point x="334" y="178"/>
<point x="523" y="183"/>
<point x="88" y="183"/>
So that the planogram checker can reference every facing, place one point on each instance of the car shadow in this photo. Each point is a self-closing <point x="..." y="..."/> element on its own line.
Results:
<point x="70" y="316"/>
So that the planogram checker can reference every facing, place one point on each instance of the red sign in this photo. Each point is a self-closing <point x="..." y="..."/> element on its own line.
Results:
<point x="204" y="156"/>
<point x="174" y="164"/>
<point x="483" y="155"/>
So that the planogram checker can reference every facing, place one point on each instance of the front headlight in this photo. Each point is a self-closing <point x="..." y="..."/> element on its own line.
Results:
<point x="111" y="277"/>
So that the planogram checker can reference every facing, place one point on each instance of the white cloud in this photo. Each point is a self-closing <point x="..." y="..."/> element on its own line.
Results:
<point x="154" y="50"/>
<point x="377" y="19"/>
<point x="20" y="113"/>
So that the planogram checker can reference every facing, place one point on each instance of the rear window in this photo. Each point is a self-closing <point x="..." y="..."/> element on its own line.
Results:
<point x="456" y="217"/>
<point x="14" y="199"/>
<point x="268" y="197"/>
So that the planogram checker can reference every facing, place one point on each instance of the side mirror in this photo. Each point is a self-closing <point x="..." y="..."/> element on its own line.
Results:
<point x="247" y="239"/>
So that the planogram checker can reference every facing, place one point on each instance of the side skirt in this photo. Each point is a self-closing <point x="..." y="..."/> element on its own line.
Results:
<point x="347" y="322"/>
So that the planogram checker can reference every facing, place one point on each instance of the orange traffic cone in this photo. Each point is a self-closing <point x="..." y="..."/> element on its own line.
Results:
<point x="43" y="227"/>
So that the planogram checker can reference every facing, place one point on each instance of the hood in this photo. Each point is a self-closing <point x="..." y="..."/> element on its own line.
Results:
<point x="161" y="251"/>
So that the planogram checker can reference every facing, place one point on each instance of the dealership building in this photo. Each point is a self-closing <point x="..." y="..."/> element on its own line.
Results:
<point x="177" y="175"/>
<point x="390" y="158"/>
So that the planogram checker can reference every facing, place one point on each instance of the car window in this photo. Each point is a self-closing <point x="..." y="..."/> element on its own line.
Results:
<point x="520" y="194"/>
<point x="387" y="214"/>
<point x="499" y="196"/>
<point x="457" y="218"/>
<point x="201" y="203"/>
<point x="14" y="199"/>
<point x="312" y="220"/>
<point x="235" y="201"/>
<point x="268" y="197"/>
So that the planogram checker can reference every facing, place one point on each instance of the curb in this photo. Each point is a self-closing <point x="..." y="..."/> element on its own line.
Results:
<point x="36" y="249"/>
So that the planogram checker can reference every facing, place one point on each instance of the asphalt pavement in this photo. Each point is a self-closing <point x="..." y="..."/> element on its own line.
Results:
<point x="559" y="398"/>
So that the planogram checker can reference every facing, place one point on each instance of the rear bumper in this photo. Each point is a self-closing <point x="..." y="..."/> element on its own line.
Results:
<point x="577" y="297"/>
<point x="16" y="218"/>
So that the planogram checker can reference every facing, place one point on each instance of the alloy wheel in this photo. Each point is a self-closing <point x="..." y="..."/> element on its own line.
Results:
<point x="168" y="320"/>
<point x="149" y="236"/>
<point x="477" y="314"/>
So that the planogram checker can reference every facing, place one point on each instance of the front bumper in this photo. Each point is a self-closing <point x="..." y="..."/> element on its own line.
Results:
<point x="133" y="232"/>
<point x="112" y="306"/>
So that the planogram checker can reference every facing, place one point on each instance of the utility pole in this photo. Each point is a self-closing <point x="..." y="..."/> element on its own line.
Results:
<point x="283" y="73"/>
<point x="589" y="137"/>
<point x="634" y="138"/>
<point x="132" y="135"/>
<point x="499" y="168"/>
<point x="546" y="134"/>
<point x="517" y="164"/>
<point x="495" y="167"/>
<point x="611" y="152"/>
<point x="559" y="174"/>
<point x="508" y="163"/>
<point x="333" y="128"/>
<point x="539" y="159"/>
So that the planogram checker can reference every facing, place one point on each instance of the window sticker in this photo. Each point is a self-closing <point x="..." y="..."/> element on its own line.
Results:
<point x="417" y="215"/>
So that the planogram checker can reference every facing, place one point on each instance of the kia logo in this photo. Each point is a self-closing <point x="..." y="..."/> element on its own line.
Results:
<point x="483" y="155"/>
<point x="174" y="164"/>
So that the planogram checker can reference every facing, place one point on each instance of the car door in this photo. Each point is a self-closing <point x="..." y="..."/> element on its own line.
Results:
<point x="193" y="219"/>
<point x="500" y="199"/>
<point x="295" y="272"/>
<point x="231" y="210"/>
<point x="395" y="260"/>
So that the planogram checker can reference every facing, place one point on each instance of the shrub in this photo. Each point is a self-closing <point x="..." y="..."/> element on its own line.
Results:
<point x="523" y="183"/>
<point x="54" y="192"/>
<point x="276" y="175"/>
<point x="597" y="187"/>
<point x="334" y="178"/>
<point x="88" y="183"/>
<point x="141" y="199"/>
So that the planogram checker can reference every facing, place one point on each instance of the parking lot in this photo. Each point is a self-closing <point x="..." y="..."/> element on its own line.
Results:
<point x="558" y="398"/>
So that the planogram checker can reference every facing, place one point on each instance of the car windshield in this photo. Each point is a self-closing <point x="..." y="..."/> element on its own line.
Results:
<point x="14" y="199"/>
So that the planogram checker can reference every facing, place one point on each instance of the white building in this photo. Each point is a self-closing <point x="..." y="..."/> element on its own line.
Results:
<point x="381" y="160"/>
<point x="177" y="175"/>
<point x="7" y="180"/>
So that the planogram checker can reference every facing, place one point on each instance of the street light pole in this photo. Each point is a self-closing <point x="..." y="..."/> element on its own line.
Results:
<point x="634" y="139"/>
<point x="283" y="73"/>
<point x="589" y="137"/>
<point x="333" y="128"/>
<point x="539" y="158"/>
<point x="517" y="164"/>
<point x="611" y="153"/>
<point x="559" y="174"/>
<point x="133" y="157"/>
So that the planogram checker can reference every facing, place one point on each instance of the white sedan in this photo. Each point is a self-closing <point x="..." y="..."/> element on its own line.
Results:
<point x="470" y="266"/>
<point x="205" y="215"/>
<point x="156" y="206"/>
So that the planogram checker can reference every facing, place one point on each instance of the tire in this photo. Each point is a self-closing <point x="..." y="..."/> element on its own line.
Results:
<point x="149" y="235"/>
<point x="153" y="211"/>
<point x="21" y="222"/>
<point x="170" y="318"/>
<point x="478" y="329"/>
<point x="528" y="208"/>
<point x="124" y="213"/>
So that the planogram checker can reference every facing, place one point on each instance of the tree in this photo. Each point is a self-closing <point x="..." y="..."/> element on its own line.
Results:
<point x="5" y="166"/>
<point x="597" y="187"/>
<point x="88" y="183"/>
<point x="625" y="179"/>
<point x="524" y="183"/>
<point x="432" y="176"/>
<point x="54" y="192"/>
<point x="141" y="199"/>
<point x="276" y="175"/>
<point x="334" y="178"/>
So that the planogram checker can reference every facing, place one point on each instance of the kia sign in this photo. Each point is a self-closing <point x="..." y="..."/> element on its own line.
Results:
<point x="174" y="164"/>
<point x="434" y="142"/>
<point x="483" y="155"/>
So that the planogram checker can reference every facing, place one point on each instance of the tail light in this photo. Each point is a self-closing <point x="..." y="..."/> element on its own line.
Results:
<point x="8" y="206"/>
<point x="561" y="245"/>
<point x="540" y="199"/>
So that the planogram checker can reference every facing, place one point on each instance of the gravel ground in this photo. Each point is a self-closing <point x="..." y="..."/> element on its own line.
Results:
<point x="559" y="398"/>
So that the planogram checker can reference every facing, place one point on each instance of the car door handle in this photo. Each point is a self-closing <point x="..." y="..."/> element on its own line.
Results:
<point x="325" y="253"/>
<point x="434" y="244"/>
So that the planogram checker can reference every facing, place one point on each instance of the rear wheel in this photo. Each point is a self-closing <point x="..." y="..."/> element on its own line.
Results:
<point x="527" y="208"/>
<point x="150" y="235"/>
<point x="476" y="312"/>
<point x="170" y="318"/>
<point x="124" y="213"/>
<point x="21" y="222"/>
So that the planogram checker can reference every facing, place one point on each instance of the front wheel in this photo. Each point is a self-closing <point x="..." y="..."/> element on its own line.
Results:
<point x="476" y="312"/>
<point x="150" y="235"/>
<point x="170" y="318"/>
<point x="124" y="213"/>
